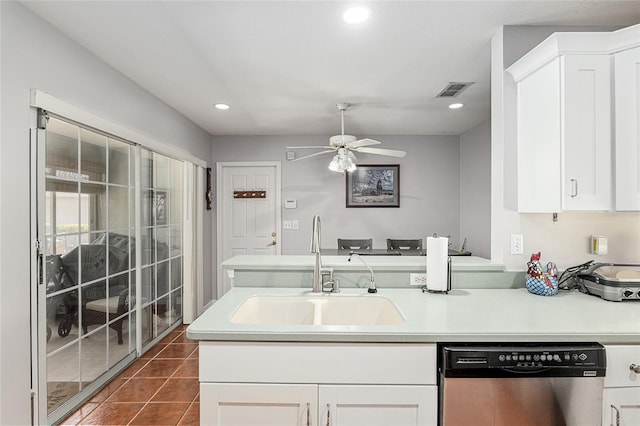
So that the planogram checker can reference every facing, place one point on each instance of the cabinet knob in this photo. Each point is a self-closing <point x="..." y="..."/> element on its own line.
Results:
<point x="635" y="368"/>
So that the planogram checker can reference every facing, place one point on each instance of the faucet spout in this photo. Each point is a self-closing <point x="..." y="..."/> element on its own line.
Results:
<point x="315" y="248"/>
<point x="372" y="281"/>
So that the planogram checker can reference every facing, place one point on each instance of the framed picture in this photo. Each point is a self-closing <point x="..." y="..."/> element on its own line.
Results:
<point x="154" y="208"/>
<point x="375" y="185"/>
<point x="159" y="208"/>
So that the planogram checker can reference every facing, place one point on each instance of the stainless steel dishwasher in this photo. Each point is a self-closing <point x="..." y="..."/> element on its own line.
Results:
<point x="521" y="384"/>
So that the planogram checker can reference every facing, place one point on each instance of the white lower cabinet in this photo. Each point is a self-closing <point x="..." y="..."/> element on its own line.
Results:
<point x="318" y="384"/>
<point x="309" y="405"/>
<point x="621" y="397"/>
<point x="621" y="407"/>
<point x="377" y="405"/>
<point x="258" y="404"/>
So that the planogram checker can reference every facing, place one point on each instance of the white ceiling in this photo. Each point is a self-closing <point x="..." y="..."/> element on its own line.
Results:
<point x="282" y="65"/>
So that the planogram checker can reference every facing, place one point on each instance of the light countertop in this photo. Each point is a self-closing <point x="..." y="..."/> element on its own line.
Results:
<point x="388" y="263"/>
<point x="463" y="315"/>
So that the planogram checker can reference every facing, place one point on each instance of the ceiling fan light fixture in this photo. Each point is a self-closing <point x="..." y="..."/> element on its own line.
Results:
<point x="356" y="14"/>
<point x="334" y="165"/>
<point x="351" y="167"/>
<point x="341" y="162"/>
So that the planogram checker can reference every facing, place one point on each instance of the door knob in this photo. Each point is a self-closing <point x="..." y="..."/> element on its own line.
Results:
<point x="272" y="243"/>
<point x="635" y="368"/>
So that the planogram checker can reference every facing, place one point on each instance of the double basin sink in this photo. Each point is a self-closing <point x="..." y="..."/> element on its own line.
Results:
<point x="318" y="310"/>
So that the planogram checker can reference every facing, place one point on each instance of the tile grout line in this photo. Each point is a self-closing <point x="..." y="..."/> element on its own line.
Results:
<point x="128" y="379"/>
<point x="155" y="357"/>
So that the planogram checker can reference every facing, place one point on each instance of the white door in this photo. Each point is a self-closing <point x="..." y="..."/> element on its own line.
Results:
<point x="232" y="404"/>
<point x="249" y="212"/>
<point x="377" y="405"/>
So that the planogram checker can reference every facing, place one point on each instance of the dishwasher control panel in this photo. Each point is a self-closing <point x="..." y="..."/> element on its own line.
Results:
<point x="574" y="359"/>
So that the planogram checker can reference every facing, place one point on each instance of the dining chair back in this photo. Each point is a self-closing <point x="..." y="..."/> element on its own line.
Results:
<point x="346" y="244"/>
<point x="393" y="244"/>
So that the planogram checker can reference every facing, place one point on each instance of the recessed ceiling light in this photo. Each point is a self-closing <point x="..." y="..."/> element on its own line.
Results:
<point x="221" y="106"/>
<point x="356" y="14"/>
<point x="456" y="105"/>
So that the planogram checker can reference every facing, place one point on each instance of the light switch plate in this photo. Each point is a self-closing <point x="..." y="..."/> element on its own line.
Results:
<point x="295" y="224"/>
<point x="286" y="224"/>
<point x="599" y="244"/>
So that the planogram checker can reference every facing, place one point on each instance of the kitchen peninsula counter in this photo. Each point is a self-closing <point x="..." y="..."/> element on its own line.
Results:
<point x="386" y="263"/>
<point x="390" y="271"/>
<point x="464" y="315"/>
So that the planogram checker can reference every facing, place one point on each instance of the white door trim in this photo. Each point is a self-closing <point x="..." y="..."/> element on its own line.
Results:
<point x="217" y="271"/>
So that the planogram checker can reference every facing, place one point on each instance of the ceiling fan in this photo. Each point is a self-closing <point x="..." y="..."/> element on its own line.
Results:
<point x="344" y="145"/>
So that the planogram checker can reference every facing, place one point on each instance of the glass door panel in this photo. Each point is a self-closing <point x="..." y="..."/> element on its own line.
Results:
<point x="90" y="271"/>
<point x="161" y="237"/>
<point x="90" y="246"/>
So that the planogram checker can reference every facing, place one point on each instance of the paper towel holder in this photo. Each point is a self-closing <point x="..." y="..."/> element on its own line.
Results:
<point x="426" y="290"/>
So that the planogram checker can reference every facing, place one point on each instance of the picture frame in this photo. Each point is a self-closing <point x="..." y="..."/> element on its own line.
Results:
<point x="159" y="207"/>
<point x="373" y="185"/>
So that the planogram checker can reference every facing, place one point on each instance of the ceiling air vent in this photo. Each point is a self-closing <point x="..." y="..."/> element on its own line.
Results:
<point x="453" y="89"/>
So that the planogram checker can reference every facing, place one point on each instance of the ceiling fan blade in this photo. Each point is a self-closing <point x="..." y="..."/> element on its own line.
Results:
<point x="382" y="151"/>
<point x="362" y="142"/>
<point x="308" y="146"/>
<point x="351" y="155"/>
<point x="313" y="155"/>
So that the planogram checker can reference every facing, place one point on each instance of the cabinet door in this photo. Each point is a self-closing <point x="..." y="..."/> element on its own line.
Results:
<point x="538" y="144"/>
<point x="621" y="406"/>
<point x="627" y="107"/>
<point x="586" y="130"/>
<point x="377" y="405"/>
<point x="230" y="404"/>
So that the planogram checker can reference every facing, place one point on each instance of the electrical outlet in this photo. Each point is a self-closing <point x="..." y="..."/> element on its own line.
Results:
<point x="517" y="244"/>
<point x="418" y="279"/>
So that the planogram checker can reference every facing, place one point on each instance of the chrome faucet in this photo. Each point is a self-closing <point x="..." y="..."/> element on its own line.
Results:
<point x="318" y="271"/>
<point x="315" y="248"/>
<point x="372" y="281"/>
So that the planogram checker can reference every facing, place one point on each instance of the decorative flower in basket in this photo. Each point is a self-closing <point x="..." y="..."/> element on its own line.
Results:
<point x="539" y="281"/>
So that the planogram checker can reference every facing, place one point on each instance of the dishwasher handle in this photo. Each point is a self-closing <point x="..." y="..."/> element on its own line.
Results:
<point x="526" y="371"/>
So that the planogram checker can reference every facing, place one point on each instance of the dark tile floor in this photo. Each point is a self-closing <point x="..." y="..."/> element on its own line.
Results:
<point x="159" y="388"/>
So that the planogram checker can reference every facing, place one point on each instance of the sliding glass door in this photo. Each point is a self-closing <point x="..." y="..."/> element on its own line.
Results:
<point x="89" y="266"/>
<point x="161" y="194"/>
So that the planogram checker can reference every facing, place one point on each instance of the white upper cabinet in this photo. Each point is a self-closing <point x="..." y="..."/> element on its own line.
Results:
<point x="586" y="132"/>
<point x="565" y="133"/>
<point x="627" y="129"/>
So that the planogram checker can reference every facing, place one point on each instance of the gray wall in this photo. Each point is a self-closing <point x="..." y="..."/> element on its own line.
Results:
<point x="429" y="189"/>
<point x="34" y="55"/>
<point x="475" y="189"/>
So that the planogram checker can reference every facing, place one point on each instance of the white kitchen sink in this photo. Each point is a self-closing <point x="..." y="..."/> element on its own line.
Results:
<point x="318" y="310"/>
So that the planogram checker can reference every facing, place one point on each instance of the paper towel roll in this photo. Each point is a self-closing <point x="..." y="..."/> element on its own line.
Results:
<point x="437" y="263"/>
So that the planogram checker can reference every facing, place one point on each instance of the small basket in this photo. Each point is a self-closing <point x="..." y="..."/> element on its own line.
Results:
<point x="542" y="283"/>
